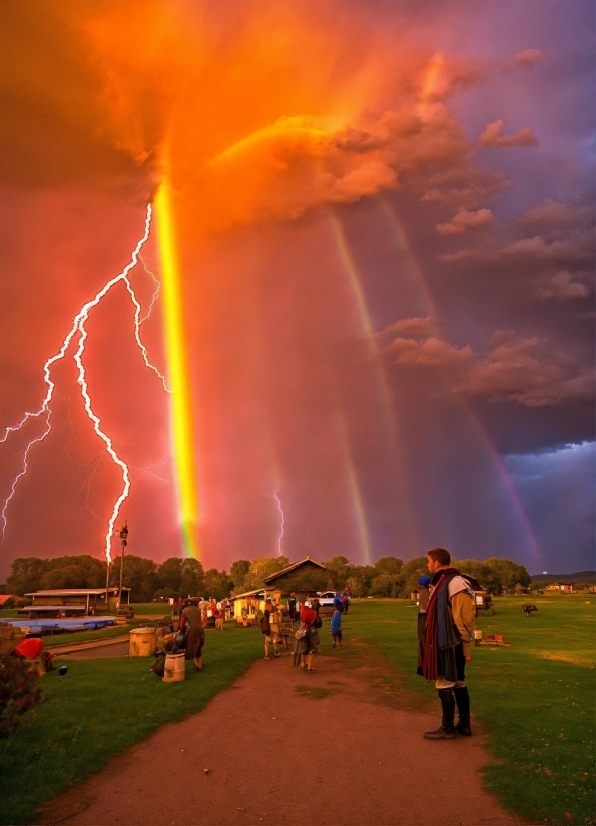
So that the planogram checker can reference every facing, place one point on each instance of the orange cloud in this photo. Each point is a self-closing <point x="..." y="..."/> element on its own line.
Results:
<point x="493" y="135"/>
<point x="465" y="220"/>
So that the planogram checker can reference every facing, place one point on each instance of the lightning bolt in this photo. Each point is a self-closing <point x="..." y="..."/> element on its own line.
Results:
<point x="44" y="413"/>
<point x="138" y="321"/>
<point x="281" y="527"/>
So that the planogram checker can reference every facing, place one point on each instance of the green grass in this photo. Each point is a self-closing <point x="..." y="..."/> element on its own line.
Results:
<point x="535" y="699"/>
<point x="12" y="613"/>
<point x="101" y="708"/>
<point x="160" y="609"/>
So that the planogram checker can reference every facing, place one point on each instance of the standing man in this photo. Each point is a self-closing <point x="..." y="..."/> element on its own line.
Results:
<point x="449" y="631"/>
<point x="270" y="627"/>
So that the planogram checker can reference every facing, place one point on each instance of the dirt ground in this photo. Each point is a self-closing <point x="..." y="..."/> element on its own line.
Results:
<point x="284" y="747"/>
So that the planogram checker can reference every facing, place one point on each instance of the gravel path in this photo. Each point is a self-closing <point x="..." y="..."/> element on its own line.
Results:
<point x="284" y="747"/>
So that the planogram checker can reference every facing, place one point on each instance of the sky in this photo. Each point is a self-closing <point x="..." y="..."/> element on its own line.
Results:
<point x="371" y="333"/>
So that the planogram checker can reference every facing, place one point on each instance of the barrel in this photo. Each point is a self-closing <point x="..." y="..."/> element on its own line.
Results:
<point x="142" y="642"/>
<point x="174" y="669"/>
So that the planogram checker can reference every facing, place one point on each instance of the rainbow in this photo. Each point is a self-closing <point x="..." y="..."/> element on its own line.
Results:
<point x="181" y="418"/>
<point x="428" y="308"/>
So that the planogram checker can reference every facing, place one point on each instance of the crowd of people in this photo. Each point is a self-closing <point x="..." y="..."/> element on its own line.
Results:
<point x="446" y="611"/>
<point x="306" y="637"/>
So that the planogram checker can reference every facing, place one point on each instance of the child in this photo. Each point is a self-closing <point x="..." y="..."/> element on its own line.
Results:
<point x="336" y="632"/>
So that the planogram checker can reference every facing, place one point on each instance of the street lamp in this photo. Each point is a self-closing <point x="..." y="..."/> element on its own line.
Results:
<point x="122" y="534"/>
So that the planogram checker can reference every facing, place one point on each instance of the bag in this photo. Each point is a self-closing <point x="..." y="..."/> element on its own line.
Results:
<point x="318" y="623"/>
<point x="159" y="665"/>
<point x="265" y="625"/>
<point x="300" y="633"/>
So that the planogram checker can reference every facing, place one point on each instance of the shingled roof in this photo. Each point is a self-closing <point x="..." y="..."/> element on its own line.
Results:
<point x="291" y="568"/>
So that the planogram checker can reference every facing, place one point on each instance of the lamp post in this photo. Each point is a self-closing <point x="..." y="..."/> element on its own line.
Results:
<point x="107" y="581"/>
<point x="122" y="534"/>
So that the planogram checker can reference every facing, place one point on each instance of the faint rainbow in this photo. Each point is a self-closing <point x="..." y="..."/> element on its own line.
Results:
<point x="430" y="309"/>
<point x="354" y="488"/>
<point x="181" y="417"/>
<point x="365" y="321"/>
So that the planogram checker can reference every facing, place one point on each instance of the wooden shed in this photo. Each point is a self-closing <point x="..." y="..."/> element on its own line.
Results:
<point x="287" y="581"/>
<point x="69" y="602"/>
<point x="246" y="606"/>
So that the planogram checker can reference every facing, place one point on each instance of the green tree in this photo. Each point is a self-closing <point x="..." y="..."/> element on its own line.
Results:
<point x="140" y="575"/>
<point x="355" y="586"/>
<point x="261" y="567"/>
<point x="181" y="577"/>
<point x="217" y="584"/>
<point x="365" y="575"/>
<point x="82" y="571"/>
<point x="338" y="571"/>
<point x="411" y="573"/>
<point x="387" y="585"/>
<point x="389" y="565"/>
<point x="238" y="573"/>
<point x="25" y="575"/>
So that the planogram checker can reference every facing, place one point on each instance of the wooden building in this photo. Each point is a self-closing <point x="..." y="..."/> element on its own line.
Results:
<point x="295" y="578"/>
<point x="73" y="602"/>
<point x="562" y="587"/>
<point x="246" y="606"/>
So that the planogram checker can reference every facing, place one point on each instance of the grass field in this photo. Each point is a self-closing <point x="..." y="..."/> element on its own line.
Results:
<point x="99" y="709"/>
<point x="535" y="699"/>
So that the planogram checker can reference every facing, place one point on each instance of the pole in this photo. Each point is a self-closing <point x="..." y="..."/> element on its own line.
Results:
<point x="122" y="533"/>
<point x="121" y="572"/>
<point x="107" y="581"/>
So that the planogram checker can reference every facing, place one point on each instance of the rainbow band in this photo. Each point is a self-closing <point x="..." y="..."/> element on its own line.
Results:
<point x="179" y="375"/>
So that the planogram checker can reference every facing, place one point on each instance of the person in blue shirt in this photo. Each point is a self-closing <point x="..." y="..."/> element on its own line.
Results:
<point x="336" y="632"/>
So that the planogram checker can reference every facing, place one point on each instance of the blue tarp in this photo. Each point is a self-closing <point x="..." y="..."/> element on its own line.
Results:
<point x="81" y="624"/>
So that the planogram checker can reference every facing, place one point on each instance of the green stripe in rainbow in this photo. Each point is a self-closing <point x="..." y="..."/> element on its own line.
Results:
<point x="178" y="370"/>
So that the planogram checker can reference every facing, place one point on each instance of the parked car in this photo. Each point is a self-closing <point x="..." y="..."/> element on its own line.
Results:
<point x="327" y="597"/>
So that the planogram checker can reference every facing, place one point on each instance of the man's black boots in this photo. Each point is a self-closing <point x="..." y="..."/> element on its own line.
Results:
<point x="462" y="698"/>
<point x="446" y="730"/>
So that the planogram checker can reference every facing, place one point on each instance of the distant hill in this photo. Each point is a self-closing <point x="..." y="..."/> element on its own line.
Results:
<point x="581" y="576"/>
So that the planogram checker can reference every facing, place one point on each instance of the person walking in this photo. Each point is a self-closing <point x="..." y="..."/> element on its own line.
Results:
<point x="335" y="630"/>
<point x="190" y="619"/>
<point x="447" y="645"/>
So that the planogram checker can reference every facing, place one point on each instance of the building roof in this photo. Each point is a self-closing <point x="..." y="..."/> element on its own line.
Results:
<point x="248" y="594"/>
<point x="290" y="568"/>
<point x="73" y="592"/>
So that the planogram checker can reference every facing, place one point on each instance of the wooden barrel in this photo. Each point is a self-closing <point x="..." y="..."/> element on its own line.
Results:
<point x="174" y="669"/>
<point x="142" y="642"/>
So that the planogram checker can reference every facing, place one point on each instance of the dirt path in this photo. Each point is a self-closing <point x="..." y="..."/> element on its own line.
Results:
<point x="289" y="748"/>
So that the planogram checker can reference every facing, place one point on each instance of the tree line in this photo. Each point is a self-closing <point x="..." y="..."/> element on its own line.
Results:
<point x="148" y="580"/>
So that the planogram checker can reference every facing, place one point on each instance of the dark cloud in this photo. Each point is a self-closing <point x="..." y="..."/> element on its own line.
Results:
<point x="524" y="59"/>
<point x="516" y="369"/>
